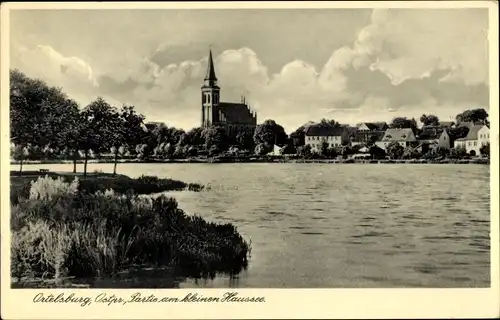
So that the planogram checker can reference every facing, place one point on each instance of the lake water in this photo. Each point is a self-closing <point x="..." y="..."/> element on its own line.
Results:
<point x="337" y="226"/>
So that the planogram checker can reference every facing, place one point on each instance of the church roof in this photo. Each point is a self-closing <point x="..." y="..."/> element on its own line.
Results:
<point x="237" y="113"/>
<point x="210" y="69"/>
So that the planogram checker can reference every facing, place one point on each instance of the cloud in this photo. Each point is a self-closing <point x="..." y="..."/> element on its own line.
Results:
<point x="404" y="62"/>
<point x="45" y="62"/>
<point x="411" y="44"/>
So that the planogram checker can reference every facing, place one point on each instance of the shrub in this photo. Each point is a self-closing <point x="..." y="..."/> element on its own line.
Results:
<point x="98" y="235"/>
<point x="40" y="250"/>
<point x="485" y="150"/>
<point x="46" y="188"/>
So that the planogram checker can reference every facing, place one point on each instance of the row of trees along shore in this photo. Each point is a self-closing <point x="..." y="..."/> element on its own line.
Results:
<point x="47" y="124"/>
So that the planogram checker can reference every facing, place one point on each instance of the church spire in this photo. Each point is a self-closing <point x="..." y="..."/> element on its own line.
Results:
<point x="210" y="70"/>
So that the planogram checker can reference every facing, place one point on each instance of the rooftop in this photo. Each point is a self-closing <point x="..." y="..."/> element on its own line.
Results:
<point x="473" y="131"/>
<point x="382" y="125"/>
<point x="324" y="130"/>
<point x="365" y="136"/>
<point x="405" y="134"/>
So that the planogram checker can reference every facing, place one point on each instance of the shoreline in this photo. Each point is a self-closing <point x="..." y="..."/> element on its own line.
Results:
<point x="140" y="220"/>
<point x="262" y="160"/>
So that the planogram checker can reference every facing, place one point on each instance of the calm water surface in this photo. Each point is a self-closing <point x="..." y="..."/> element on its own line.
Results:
<point x="328" y="225"/>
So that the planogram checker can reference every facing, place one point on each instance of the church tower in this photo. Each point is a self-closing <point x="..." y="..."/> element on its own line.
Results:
<point x="210" y="94"/>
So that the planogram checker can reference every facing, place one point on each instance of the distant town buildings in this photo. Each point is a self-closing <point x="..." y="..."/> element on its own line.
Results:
<point x="372" y="126"/>
<point x="233" y="117"/>
<point x="405" y="137"/>
<point x="478" y="136"/>
<point x="335" y="136"/>
<point x="445" y="135"/>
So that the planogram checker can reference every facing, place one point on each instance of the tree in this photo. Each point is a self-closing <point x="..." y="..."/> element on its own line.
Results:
<point x="411" y="153"/>
<point x="298" y="136"/>
<point x="195" y="137"/>
<point x="429" y="120"/>
<point x="214" y="136"/>
<point x="395" y="150"/>
<point x="474" y="115"/>
<point x="262" y="149"/>
<point x="270" y="133"/>
<point x="371" y="141"/>
<point x="485" y="150"/>
<point x="324" y="148"/>
<point x="38" y="113"/>
<point x="244" y="139"/>
<point x="330" y="122"/>
<point x="458" y="153"/>
<point x="403" y="122"/>
<point x="96" y="133"/>
<point x="117" y="135"/>
<point x="135" y="129"/>
<point x="304" y="151"/>
<point x="377" y="152"/>
<point x="72" y="133"/>
<point x="19" y="153"/>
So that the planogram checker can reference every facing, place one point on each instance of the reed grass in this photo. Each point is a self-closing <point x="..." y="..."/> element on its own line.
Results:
<point x="81" y="234"/>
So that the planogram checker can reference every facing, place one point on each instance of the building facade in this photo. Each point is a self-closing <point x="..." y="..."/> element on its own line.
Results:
<point x="233" y="117"/>
<point x="404" y="137"/>
<point x="316" y="135"/>
<point x="477" y="136"/>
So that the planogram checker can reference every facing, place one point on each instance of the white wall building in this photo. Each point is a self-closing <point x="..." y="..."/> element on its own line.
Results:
<point x="478" y="136"/>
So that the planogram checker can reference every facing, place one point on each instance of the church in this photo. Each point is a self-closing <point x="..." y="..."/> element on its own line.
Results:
<point x="233" y="117"/>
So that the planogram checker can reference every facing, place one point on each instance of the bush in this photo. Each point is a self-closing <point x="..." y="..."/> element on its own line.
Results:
<point x="485" y="150"/>
<point x="100" y="234"/>
<point x="458" y="153"/>
<point x="46" y="188"/>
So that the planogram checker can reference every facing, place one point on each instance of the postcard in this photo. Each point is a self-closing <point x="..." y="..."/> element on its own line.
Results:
<point x="249" y="160"/>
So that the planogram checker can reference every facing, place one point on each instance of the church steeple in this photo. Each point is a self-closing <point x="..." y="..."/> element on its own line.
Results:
<point x="210" y="78"/>
<point x="210" y="93"/>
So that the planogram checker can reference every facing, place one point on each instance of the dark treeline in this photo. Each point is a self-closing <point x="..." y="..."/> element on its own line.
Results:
<point x="46" y="124"/>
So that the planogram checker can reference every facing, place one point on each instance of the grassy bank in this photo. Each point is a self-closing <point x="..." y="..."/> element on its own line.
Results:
<point x="59" y="231"/>
<point x="94" y="182"/>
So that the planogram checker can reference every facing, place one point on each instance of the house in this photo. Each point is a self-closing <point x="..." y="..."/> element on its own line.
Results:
<point x="364" y="137"/>
<point x="477" y="136"/>
<point x="441" y="125"/>
<point x="335" y="136"/>
<point x="372" y="126"/>
<point x="404" y="137"/>
<point x="433" y="138"/>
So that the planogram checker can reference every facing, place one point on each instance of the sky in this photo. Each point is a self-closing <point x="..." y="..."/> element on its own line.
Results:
<point x="293" y="66"/>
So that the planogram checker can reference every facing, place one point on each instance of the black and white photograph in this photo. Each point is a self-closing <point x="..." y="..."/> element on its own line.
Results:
<point x="281" y="148"/>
